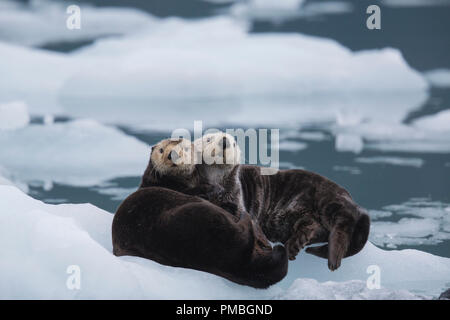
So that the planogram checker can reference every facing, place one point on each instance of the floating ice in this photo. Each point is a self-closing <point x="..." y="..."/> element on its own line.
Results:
<point x="13" y="115"/>
<point x="50" y="238"/>
<point x="349" y="142"/>
<point x="439" y="77"/>
<point x="427" y="134"/>
<point x="289" y="145"/>
<point x="351" y="170"/>
<point x="42" y="21"/>
<point x="80" y="153"/>
<point x="427" y="223"/>
<point x="222" y="75"/>
<point x="415" y="3"/>
<point x="396" y="161"/>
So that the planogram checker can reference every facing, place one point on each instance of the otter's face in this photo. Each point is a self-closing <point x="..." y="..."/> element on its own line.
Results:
<point x="219" y="149"/>
<point x="173" y="157"/>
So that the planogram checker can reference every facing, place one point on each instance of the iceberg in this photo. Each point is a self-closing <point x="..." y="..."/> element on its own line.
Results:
<point x="78" y="153"/>
<point x="218" y="71"/>
<point x="13" y="115"/>
<point x="43" y="243"/>
<point x="42" y="22"/>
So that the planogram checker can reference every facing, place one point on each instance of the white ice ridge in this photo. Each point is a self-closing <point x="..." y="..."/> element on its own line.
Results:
<point x="218" y="71"/>
<point x="40" y="241"/>
<point x="80" y="153"/>
<point x="13" y="115"/>
<point x="42" y="21"/>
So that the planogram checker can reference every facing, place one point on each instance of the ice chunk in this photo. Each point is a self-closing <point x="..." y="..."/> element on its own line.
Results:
<point x="439" y="77"/>
<point x="438" y="122"/>
<point x="290" y="145"/>
<point x="428" y="223"/>
<point x="349" y="142"/>
<point x="152" y="84"/>
<point x="412" y="270"/>
<point x="44" y="21"/>
<point x="396" y="161"/>
<point x="415" y="3"/>
<point x="80" y="153"/>
<point x="427" y="134"/>
<point x="51" y="238"/>
<point x="307" y="289"/>
<point x="13" y="115"/>
<point x="351" y="170"/>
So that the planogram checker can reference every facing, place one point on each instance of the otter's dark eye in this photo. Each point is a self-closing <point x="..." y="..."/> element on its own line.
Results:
<point x="208" y="140"/>
<point x="161" y="150"/>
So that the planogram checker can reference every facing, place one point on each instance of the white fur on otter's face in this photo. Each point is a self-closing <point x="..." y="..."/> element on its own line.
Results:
<point x="219" y="149"/>
<point x="173" y="157"/>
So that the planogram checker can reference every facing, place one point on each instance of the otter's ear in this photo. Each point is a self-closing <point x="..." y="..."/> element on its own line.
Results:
<point x="153" y="148"/>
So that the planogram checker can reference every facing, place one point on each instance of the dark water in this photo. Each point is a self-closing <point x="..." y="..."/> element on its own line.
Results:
<point x="420" y="33"/>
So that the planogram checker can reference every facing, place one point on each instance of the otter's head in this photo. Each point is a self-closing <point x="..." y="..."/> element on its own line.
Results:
<point x="218" y="149"/>
<point x="172" y="157"/>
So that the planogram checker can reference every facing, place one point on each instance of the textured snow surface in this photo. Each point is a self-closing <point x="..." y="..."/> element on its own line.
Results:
<point x="50" y="238"/>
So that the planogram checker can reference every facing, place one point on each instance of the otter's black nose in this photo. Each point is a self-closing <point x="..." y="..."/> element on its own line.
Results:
<point x="225" y="143"/>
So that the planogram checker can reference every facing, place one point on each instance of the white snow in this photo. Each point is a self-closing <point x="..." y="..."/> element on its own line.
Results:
<point x="307" y="289"/>
<point x="44" y="21"/>
<point x="439" y="77"/>
<point x="13" y="115"/>
<point x="80" y="153"/>
<point x="40" y="241"/>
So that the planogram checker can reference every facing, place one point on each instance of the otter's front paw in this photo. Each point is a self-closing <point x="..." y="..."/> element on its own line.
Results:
<point x="293" y="247"/>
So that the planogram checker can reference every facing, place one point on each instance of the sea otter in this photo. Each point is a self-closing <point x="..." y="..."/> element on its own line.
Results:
<point x="294" y="207"/>
<point x="299" y="208"/>
<point x="172" y="165"/>
<point x="179" y="230"/>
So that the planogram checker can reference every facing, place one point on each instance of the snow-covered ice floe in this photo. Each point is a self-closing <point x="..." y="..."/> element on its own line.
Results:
<point x="79" y="153"/>
<point x="429" y="134"/>
<point x="43" y="22"/>
<point x="13" y="115"/>
<point x="218" y="71"/>
<point x="41" y="241"/>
